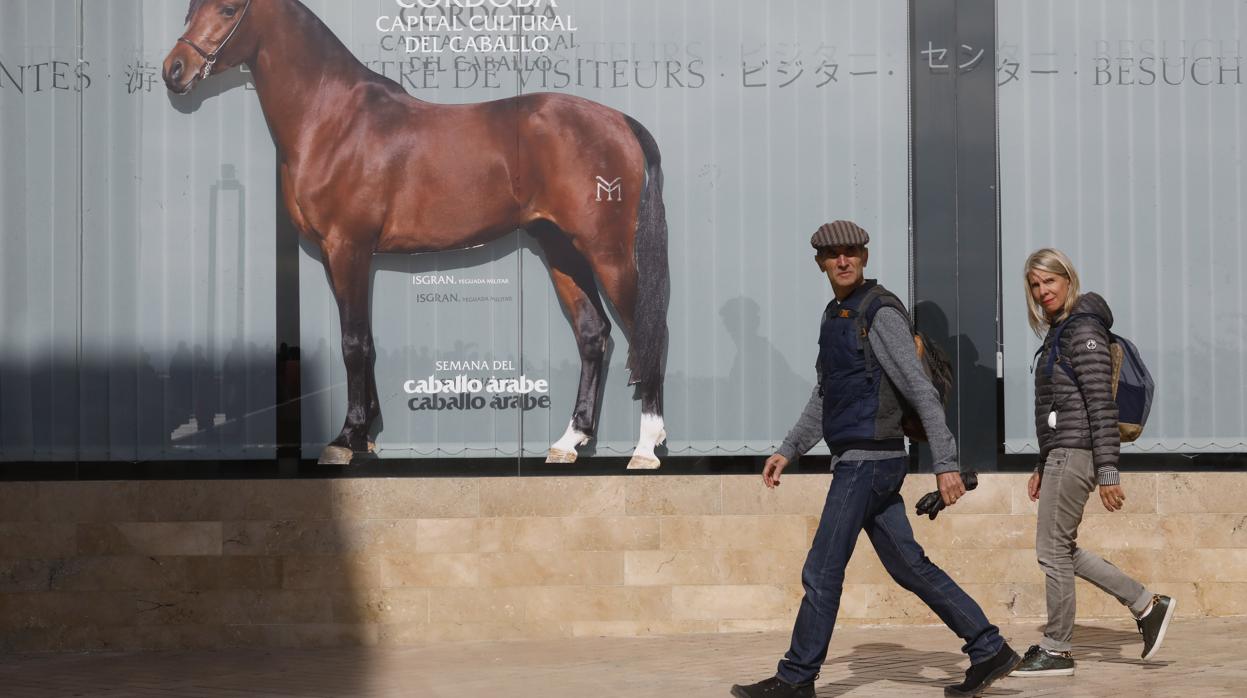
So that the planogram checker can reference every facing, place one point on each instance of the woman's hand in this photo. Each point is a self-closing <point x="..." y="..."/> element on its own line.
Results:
<point x="1032" y="486"/>
<point x="1112" y="496"/>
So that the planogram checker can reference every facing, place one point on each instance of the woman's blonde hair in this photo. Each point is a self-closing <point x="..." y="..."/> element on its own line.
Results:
<point x="1052" y="261"/>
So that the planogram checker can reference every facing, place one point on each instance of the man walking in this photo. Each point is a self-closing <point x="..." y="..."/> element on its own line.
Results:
<point x="867" y="365"/>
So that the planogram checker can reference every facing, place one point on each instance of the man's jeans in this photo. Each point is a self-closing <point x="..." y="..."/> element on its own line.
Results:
<point x="866" y="495"/>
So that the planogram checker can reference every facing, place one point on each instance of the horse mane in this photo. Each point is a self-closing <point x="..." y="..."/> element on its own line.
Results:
<point x="191" y="10"/>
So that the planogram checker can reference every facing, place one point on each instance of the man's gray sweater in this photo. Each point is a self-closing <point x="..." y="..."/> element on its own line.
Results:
<point x="893" y="344"/>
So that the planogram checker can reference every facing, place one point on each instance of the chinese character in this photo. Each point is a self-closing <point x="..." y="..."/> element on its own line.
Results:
<point x="141" y="76"/>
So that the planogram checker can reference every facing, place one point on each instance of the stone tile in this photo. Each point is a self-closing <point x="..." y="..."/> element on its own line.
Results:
<point x="194" y="500"/>
<point x="1211" y="493"/>
<point x="307" y="635"/>
<point x="986" y="566"/>
<point x="953" y="529"/>
<point x="448" y="535"/>
<point x="18" y="502"/>
<point x="234" y="572"/>
<point x="409" y="635"/>
<point x="722" y="602"/>
<point x="66" y="609"/>
<point x="73" y="502"/>
<point x="150" y="538"/>
<point x="552" y="496"/>
<point x="780" y="532"/>
<point x="668" y="567"/>
<point x="1123" y="532"/>
<point x="38" y="541"/>
<point x="180" y="608"/>
<point x="25" y="575"/>
<point x="396" y="537"/>
<point x="640" y="628"/>
<point x="330" y="572"/>
<point x="615" y="604"/>
<point x="798" y="493"/>
<point x="551" y="568"/>
<point x="432" y="570"/>
<point x="582" y="533"/>
<point x="465" y="605"/>
<point x="407" y="498"/>
<point x="1227" y="598"/>
<point x="760" y="566"/>
<point x="1204" y="530"/>
<point x="404" y="606"/>
<point x="673" y="495"/>
<point x="275" y="606"/>
<point x="118" y="573"/>
<point x="304" y="537"/>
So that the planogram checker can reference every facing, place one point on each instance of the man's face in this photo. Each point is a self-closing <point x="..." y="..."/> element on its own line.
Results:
<point x="844" y="265"/>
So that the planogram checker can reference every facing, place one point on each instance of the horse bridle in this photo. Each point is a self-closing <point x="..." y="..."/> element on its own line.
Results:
<point x="210" y="59"/>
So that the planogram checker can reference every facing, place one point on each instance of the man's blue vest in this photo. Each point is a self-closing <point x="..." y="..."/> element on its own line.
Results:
<point x="861" y="409"/>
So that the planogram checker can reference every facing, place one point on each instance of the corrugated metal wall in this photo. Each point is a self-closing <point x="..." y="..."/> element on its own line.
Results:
<point x="1121" y="142"/>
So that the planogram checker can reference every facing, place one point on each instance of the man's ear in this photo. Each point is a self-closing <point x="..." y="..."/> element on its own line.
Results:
<point x="865" y="257"/>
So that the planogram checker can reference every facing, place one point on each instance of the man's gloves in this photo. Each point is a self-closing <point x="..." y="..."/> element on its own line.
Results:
<point x="931" y="503"/>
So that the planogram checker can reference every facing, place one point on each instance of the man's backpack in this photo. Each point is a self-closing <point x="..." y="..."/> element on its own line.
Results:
<point x="934" y="360"/>
<point x="1132" y="384"/>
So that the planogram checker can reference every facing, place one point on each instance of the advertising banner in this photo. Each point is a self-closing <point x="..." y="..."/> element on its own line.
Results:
<point x="568" y="229"/>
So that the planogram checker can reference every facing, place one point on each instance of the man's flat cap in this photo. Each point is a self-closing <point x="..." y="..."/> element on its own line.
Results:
<point x="839" y="233"/>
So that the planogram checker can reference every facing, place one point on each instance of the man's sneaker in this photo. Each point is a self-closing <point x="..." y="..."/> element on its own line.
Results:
<point x="1041" y="662"/>
<point x="774" y="687"/>
<point x="980" y="676"/>
<point x="1155" y="623"/>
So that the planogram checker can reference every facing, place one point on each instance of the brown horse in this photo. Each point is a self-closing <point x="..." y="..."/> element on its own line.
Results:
<point x="367" y="168"/>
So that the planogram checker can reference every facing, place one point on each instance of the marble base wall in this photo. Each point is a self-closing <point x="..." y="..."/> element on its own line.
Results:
<point x="155" y="564"/>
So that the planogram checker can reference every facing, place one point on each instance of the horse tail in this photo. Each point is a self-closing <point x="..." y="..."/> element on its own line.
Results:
<point x="647" y="354"/>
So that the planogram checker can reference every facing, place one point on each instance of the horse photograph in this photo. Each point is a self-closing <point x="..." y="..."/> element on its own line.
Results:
<point x="366" y="168"/>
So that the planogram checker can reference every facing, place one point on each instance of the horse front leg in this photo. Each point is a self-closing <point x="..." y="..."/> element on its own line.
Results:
<point x="348" y="268"/>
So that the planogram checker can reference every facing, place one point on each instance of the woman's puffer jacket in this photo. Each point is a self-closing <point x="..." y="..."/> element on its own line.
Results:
<point x="1086" y="419"/>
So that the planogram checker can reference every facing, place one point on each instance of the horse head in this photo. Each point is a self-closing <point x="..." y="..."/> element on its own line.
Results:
<point x="216" y="39"/>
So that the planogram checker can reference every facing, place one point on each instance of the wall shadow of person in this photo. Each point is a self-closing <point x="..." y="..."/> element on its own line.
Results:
<point x="874" y="662"/>
<point x="970" y="378"/>
<point x="759" y="374"/>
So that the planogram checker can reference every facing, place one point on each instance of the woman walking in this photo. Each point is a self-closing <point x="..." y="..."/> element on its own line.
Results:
<point x="1079" y="443"/>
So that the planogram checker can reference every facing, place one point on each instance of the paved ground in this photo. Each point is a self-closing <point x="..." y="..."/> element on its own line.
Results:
<point x="1201" y="658"/>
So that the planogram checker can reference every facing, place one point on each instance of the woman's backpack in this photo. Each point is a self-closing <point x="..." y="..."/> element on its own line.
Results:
<point x="1132" y="384"/>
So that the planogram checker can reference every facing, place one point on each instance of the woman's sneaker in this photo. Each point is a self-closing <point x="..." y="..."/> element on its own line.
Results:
<point x="1155" y="623"/>
<point x="1040" y="662"/>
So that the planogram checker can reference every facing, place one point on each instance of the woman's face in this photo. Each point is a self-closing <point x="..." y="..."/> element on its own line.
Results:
<point x="1049" y="290"/>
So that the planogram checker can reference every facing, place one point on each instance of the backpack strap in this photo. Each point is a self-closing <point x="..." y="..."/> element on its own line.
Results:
<point x="876" y="298"/>
<point x="1055" y="349"/>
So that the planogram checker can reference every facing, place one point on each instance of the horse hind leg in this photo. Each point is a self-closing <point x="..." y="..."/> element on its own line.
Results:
<point x="574" y="285"/>
<point x="645" y="324"/>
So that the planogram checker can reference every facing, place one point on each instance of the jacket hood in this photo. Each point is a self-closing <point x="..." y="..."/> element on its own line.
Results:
<point x="1095" y="304"/>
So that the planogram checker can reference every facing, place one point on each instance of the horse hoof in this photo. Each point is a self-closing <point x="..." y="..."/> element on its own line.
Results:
<point x="644" y="463"/>
<point x="558" y="455"/>
<point x="335" y="455"/>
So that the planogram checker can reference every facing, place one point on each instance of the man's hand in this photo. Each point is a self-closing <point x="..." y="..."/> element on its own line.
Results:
<point x="774" y="466"/>
<point x="1112" y="496"/>
<point x="1032" y="486"/>
<point x="951" y="487"/>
